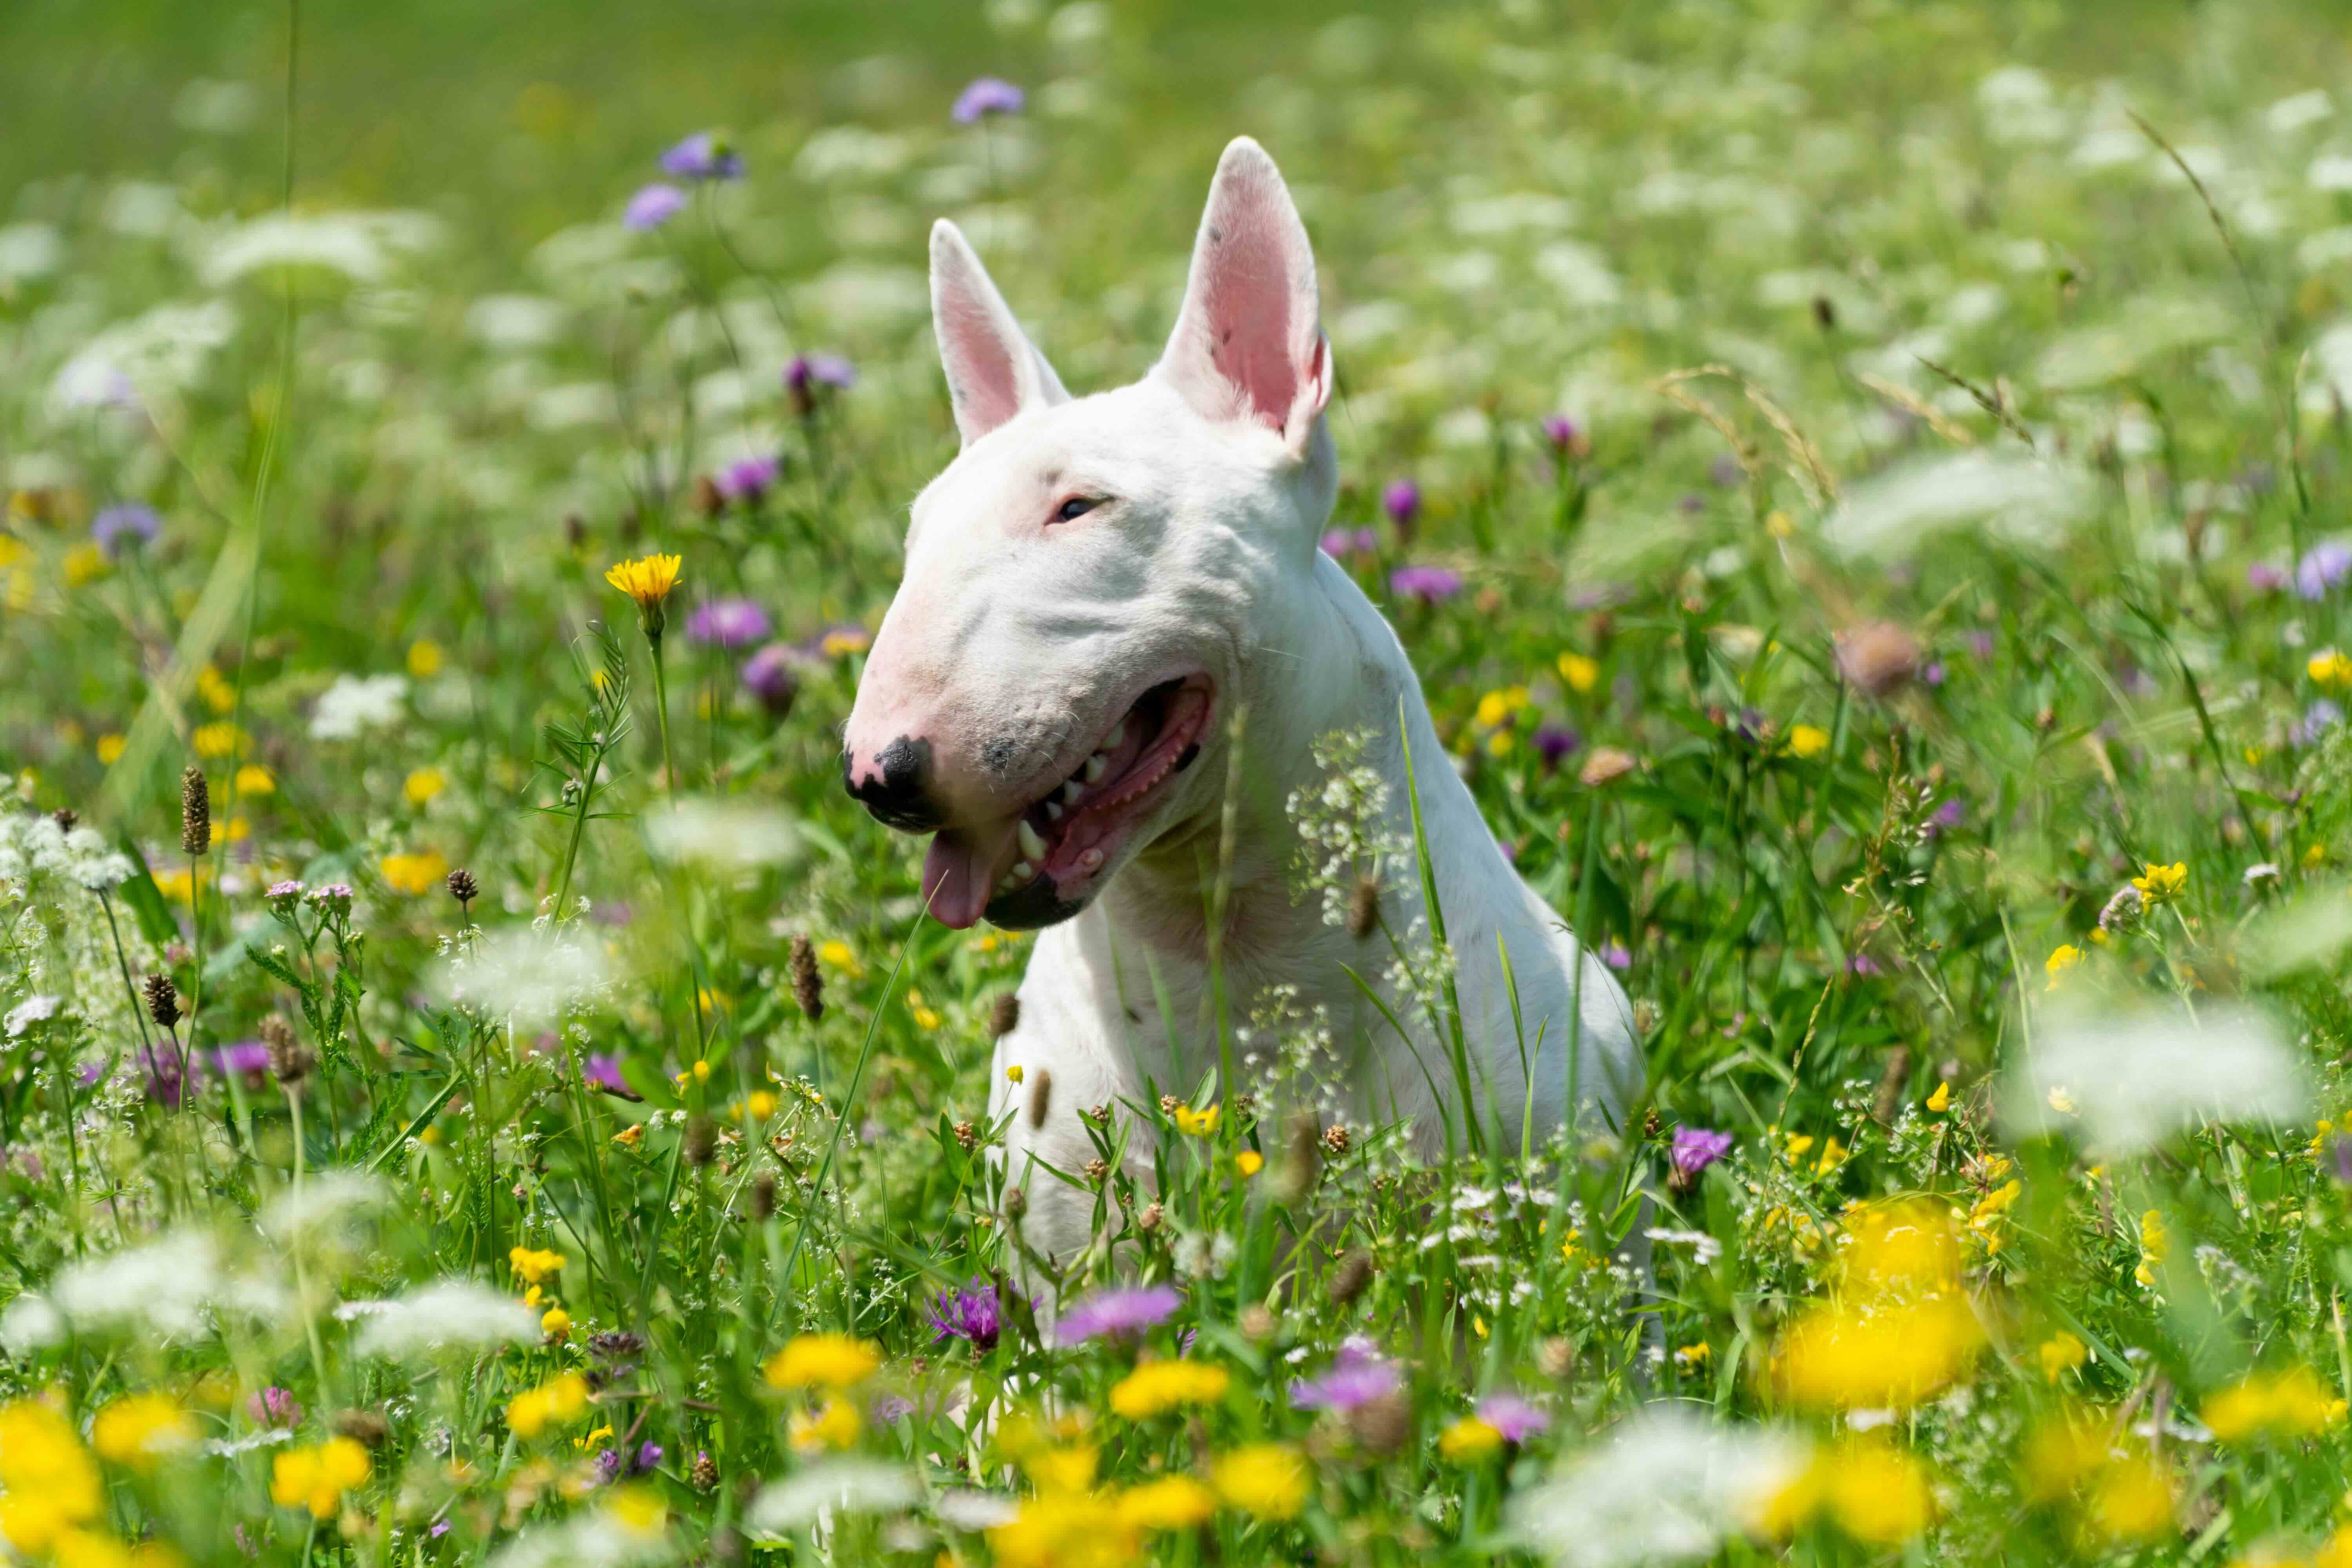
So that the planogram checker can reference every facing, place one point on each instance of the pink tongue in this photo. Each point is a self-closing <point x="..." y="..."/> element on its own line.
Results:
<point x="960" y="872"/>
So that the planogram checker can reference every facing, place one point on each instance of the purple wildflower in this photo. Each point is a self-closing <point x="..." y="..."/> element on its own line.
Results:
<point x="248" y="1059"/>
<point x="768" y="676"/>
<point x="748" y="478"/>
<point x="87" y="1074"/>
<point x="1695" y="1149"/>
<point x="2323" y="566"/>
<point x="602" y="1069"/>
<point x="973" y="1314"/>
<point x="988" y="95"/>
<point x="1565" y="436"/>
<point x="2343" y="1152"/>
<point x="2264" y="578"/>
<point x="274" y="1406"/>
<point x="727" y="623"/>
<point x="1427" y="583"/>
<point x="1553" y="741"/>
<point x="1862" y="967"/>
<point x="608" y="1467"/>
<point x="820" y="370"/>
<point x="653" y="206"/>
<point x="1358" y="1376"/>
<point x="128" y="522"/>
<point x="1725" y="471"/>
<point x="1616" y="957"/>
<point x="26" y="1160"/>
<point x="1948" y="815"/>
<point x="1340" y="542"/>
<point x="887" y="1408"/>
<point x="705" y="155"/>
<point x="1514" y="1417"/>
<point x="172" y="1077"/>
<point x="2317" y="719"/>
<point x="1402" y="502"/>
<point x="1117" y="1312"/>
<point x="650" y="1456"/>
<point x="1979" y="643"/>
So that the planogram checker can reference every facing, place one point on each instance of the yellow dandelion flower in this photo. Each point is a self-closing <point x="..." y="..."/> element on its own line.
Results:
<point x="1468" y="1440"/>
<point x="835" y="1425"/>
<point x="217" y="739"/>
<point x="648" y="580"/>
<point x="1268" y="1479"/>
<point x="2291" y="1402"/>
<point x="1582" y="674"/>
<point x="1806" y="741"/>
<point x="424" y="660"/>
<point x="1157" y="1386"/>
<point x="830" y="1361"/>
<point x="1169" y="1503"/>
<point x="558" y="1402"/>
<point x="2061" y="1353"/>
<point x="2131" y="1500"/>
<point x="316" y="1477"/>
<point x="1249" y="1163"/>
<point x="423" y="784"/>
<point x="415" y="874"/>
<point x="110" y="749"/>
<point x="50" y="1483"/>
<point x="138" y="1428"/>
<point x="2329" y="668"/>
<point x="217" y="693"/>
<point x="84" y="563"/>
<point x="254" y="779"/>
<point x="759" y="1105"/>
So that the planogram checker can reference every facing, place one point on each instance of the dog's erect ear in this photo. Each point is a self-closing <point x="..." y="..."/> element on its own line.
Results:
<point x="994" y="372"/>
<point x="1249" y="343"/>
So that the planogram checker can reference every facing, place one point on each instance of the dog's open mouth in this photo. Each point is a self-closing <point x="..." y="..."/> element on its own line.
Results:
<point x="1038" y="865"/>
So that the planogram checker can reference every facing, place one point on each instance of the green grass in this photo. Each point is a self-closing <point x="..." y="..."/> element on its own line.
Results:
<point x="1986" y="373"/>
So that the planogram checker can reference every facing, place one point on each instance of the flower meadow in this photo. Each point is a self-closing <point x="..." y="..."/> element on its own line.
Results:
<point x="1866" y="489"/>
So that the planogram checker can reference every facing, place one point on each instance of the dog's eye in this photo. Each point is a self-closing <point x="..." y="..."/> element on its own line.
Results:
<point x="1075" y="507"/>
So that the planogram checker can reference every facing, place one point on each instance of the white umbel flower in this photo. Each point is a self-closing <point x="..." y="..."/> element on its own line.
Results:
<point x="1665" y="1485"/>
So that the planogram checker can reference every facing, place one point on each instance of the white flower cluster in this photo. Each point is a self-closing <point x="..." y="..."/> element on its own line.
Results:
<point x="1343" y="830"/>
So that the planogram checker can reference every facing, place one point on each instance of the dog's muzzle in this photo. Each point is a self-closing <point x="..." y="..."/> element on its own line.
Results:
<point x="896" y="785"/>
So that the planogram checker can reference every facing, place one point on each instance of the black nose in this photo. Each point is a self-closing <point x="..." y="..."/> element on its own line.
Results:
<point x="895" y="789"/>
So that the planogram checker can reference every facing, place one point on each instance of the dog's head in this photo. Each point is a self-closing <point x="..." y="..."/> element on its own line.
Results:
<point x="1086" y="582"/>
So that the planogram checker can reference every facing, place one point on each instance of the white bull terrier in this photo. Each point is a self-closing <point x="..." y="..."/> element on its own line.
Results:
<point x="1095" y="588"/>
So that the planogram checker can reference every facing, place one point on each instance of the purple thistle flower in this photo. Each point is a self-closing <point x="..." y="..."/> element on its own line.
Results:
<point x="2323" y="566"/>
<point x="1427" y="583"/>
<point x="87" y="1074"/>
<point x="1340" y="542"/>
<point x="973" y="1314"/>
<point x="820" y="370"/>
<point x="127" y="522"/>
<point x="887" y="1408"/>
<point x="1402" y="502"/>
<point x="1979" y="643"/>
<point x="1553" y="741"/>
<point x="1695" y="1149"/>
<point x="274" y="1406"/>
<point x="1358" y="1376"/>
<point x="1565" y="436"/>
<point x="767" y="675"/>
<point x="2264" y="578"/>
<point x="1117" y="1312"/>
<point x="602" y="1069"/>
<point x="1948" y="815"/>
<point x="2343" y="1152"/>
<point x="727" y="623"/>
<point x="988" y="95"/>
<point x="748" y="478"/>
<point x="172" y="1079"/>
<point x="1514" y="1417"/>
<point x="248" y="1059"/>
<point x="705" y="155"/>
<point x="1616" y="957"/>
<point x="653" y="206"/>
<point x="1725" y="471"/>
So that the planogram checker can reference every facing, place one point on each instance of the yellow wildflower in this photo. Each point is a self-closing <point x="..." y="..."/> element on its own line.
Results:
<point x="1065" y="1532"/>
<point x="424" y="660"/>
<point x="1063" y="1470"/>
<point x="2063" y="957"/>
<point x="2329" y="668"/>
<point x="2290" y="1403"/>
<point x="416" y="873"/>
<point x="138" y="1427"/>
<point x="1582" y="674"/>
<point x="555" y="1324"/>
<point x="1158" y="1386"/>
<point x="829" y="1361"/>
<point x="2155" y="1246"/>
<point x="1847" y="1355"/>
<point x="1469" y="1439"/>
<point x="1268" y="1479"/>
<point x="317" y="1478"/>
<point x="423" y="785"/>
<point x="1249" y="1163"/>
<point x="2162" y="884"/>
<point x="638" y="1508"/>
<point x="1806" y="741"/>
<point x="254" y="779"/>
<point x="1942" y="1098"/>
<point x="50" y="1483"/>
<point x="844" y="639"/>
<point x="110" y="749"/>
<point x="1694" y="1356"/>
<point x="759" y="1105"/>
<point x="217" y="693"/>
<point x="2061" y="1353"/>
<point x="560" y="1401"/>
<point x="217" y="739"/>
<point x="84" y="563"/>
<point x="1199" y="1123"/>
<point x="1014" y="1074"/>
<point x="1496" y="707"/>
<point x="835" y="1426"/>
<point x="648" y="581"/>
<point x="533" y="1265"/>
<point x="1877" y="1493"/>
<point x="2131" y="1500"/>
<point x="1169" y="1503"/>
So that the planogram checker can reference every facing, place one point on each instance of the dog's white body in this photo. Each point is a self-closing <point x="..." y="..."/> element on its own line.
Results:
<point x="1103" y="587"/>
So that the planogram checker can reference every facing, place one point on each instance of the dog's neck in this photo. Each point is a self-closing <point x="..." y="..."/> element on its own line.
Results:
<point x="1325" y="663"/>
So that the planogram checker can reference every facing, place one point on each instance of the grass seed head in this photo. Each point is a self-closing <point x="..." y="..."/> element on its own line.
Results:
<point x="195" y="812"/>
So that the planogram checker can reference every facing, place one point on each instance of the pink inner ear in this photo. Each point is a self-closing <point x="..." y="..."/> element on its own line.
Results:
<point x="983" y="377"/>
<point x="1247" y="342"/>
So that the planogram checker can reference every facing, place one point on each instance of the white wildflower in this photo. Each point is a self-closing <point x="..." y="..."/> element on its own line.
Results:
<point x="357" y="703"/>
<point x="453" y="1313"/>
<point x="835" y="1486"/>
<point x="602" y="1539"/>
<point x="172" y="1288"/>
<point x="324" y="1201"/>
<point x="2024" y="500"/>
<point x="1665" y="1485"/>
<point x="976" y="1512"/>
<point x="531" y="974"/>
<point x="723" y="835"/>
<point x="32" y="1010"/>
<point x="1705" y="1248"/>
<point x="2134" y="1077"/>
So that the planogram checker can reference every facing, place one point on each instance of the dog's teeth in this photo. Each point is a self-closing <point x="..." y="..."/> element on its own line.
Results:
<point x="1091" y="859"/>
<point x="1053" y="811"/>
<point x="1071" y="791"/>
<point x="1096" y="765"/>
<point x="1006" y="883"/>
<point x="1032" y="846"/>
<point x="1118" y="733"/>
<point x="1021" y="872"/>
